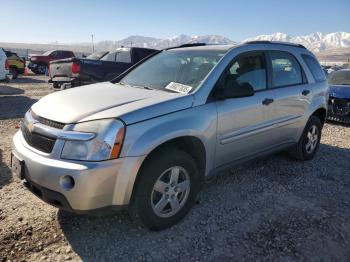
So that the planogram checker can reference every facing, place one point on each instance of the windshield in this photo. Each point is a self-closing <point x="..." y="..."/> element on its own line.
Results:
<point x="339" y="77"/>
<point x="97" y="55"/>
<point x="174" y="70"/>
<point x="48" y="52"/>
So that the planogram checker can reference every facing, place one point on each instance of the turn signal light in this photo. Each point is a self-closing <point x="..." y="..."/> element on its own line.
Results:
<point x="118" y="143"/>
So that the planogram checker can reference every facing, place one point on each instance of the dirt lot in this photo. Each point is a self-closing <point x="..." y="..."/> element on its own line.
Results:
<point x="273" y="209"/>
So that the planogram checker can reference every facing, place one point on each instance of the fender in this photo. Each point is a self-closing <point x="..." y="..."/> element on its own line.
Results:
<point x="200" y="122"/>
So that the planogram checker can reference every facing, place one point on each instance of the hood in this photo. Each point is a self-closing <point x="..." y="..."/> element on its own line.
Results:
<point x="107" y="100"/>
<point x="37" y="56"/>
<point x="339" y="91"/>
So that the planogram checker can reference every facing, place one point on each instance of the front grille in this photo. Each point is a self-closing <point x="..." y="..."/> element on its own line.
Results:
<point x="40" y="142"/>
<point x="339" y="106"/>
<point x="47" y="122"/>
<point x="340" y="102"/>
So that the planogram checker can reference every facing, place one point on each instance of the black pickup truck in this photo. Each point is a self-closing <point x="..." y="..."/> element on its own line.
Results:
<point x="98" y="67"/>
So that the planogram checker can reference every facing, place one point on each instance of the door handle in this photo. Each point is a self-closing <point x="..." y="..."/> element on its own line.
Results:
<point x="267" y="101"/>
<point x="305" y="92"/>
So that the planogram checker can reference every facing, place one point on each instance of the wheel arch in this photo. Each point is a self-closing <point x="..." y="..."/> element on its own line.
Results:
<point x="190" y="144"/>
<point x="321" y="113"/>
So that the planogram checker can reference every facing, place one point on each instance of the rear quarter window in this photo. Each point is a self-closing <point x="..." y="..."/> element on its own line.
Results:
<point x="314" y="68"/>
<point x="123" y="57"/>
<point x="109" y="57"/>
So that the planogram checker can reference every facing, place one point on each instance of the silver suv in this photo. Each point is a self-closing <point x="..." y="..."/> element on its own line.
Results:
<point x="149" y="139"/>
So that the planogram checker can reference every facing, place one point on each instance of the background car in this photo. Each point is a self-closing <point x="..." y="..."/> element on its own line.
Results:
<point x="39" y="63"/>
<point x="339" y="96"/>
<point x="3" y="65"/>
<point x="16" y="64"/>
<point x="98" y="67"/>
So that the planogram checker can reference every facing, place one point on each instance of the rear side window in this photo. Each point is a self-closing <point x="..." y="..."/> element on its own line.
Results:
<point x="123" y="57"/>
<point x="286" y="70"/>
<point x="315" y="68"/>
<point x="109" y="57"/>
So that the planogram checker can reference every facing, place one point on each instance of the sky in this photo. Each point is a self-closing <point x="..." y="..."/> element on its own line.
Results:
<point x="48" y="21"/>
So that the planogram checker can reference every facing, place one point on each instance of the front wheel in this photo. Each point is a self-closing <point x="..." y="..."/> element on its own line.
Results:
<point x="309" y="140"/>
<point x="14" y="73"/>
<point x="167" y="188"/>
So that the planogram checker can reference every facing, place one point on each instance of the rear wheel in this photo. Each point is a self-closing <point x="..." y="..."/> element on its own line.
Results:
<point x="167" y="188"/>
<point x="309" y="141"/>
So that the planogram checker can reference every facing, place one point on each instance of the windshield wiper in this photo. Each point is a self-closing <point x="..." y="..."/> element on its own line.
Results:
<point x="143" y="87"/>
<point x="136" y="86"/>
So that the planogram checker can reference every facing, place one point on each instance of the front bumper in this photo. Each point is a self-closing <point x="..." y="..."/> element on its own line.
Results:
<point x="32" y="65"/>
<point x="339" y="109"/>
<point x="97" y="184"/>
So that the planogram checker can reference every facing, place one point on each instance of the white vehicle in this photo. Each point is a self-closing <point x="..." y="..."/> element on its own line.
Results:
<point x="3" y="65"/>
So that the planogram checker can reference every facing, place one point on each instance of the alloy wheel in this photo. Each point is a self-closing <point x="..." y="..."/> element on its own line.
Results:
<point x="312" y="139"/>
<point x="170" y="192"/>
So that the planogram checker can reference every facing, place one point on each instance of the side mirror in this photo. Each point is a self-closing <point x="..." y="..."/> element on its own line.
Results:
<point x="234" y="89"/>
<point x="238" y="90"/>
<point x="83" y="56"/>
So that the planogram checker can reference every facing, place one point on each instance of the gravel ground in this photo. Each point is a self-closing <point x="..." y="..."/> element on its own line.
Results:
<point x="268" y="210"/>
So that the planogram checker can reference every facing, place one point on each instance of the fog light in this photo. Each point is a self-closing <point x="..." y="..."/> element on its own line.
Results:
<point x="67" y="182"/>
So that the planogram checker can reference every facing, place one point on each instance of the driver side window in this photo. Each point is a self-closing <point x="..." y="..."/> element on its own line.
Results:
<point x="251" y="69"/>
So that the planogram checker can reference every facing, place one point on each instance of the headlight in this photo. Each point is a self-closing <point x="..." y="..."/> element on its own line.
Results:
<point x="105" y="145"/>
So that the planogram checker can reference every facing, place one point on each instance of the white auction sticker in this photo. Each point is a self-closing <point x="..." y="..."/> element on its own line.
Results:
<point x="180" y="88"/>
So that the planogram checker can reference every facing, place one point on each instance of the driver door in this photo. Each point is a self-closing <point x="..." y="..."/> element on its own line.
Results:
<point x="244" y="123"/>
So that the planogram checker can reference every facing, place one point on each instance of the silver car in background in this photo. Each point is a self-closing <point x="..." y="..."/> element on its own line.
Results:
<point x="148" y="140"/>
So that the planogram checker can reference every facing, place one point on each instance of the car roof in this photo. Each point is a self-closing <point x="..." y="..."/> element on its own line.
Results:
<point x="205" y="47"/>
<point x="231" y="46"/>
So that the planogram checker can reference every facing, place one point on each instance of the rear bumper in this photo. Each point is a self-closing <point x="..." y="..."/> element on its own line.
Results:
<point x="62" y="79"/>
<point x="67" y="80"/>
<point x="97" y="185"/>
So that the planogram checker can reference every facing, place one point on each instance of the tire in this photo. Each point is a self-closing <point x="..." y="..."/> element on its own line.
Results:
<point x="306" y="149"/>
<point x="13" y="72"/>
<point x="158" y="210"/>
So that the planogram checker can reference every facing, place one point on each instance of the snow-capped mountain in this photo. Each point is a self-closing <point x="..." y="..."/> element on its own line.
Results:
<point x="315" y="42"/>
<point x="212" y="39"/>
<point x="157" y="43"/>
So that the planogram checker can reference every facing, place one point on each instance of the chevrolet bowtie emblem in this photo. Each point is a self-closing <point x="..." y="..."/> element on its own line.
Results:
<point x="30" y="127"/>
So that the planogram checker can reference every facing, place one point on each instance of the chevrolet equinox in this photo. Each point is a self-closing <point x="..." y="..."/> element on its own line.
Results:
<point x="148" y="139"/>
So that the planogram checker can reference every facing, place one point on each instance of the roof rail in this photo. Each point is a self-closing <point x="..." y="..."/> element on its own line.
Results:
<point x="274" y="43"/>
<point x="187" y="45"/>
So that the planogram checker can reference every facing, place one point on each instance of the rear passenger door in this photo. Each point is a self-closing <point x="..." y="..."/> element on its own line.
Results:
<point x="244" y="124"/>
<point x="292" y="95"/>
